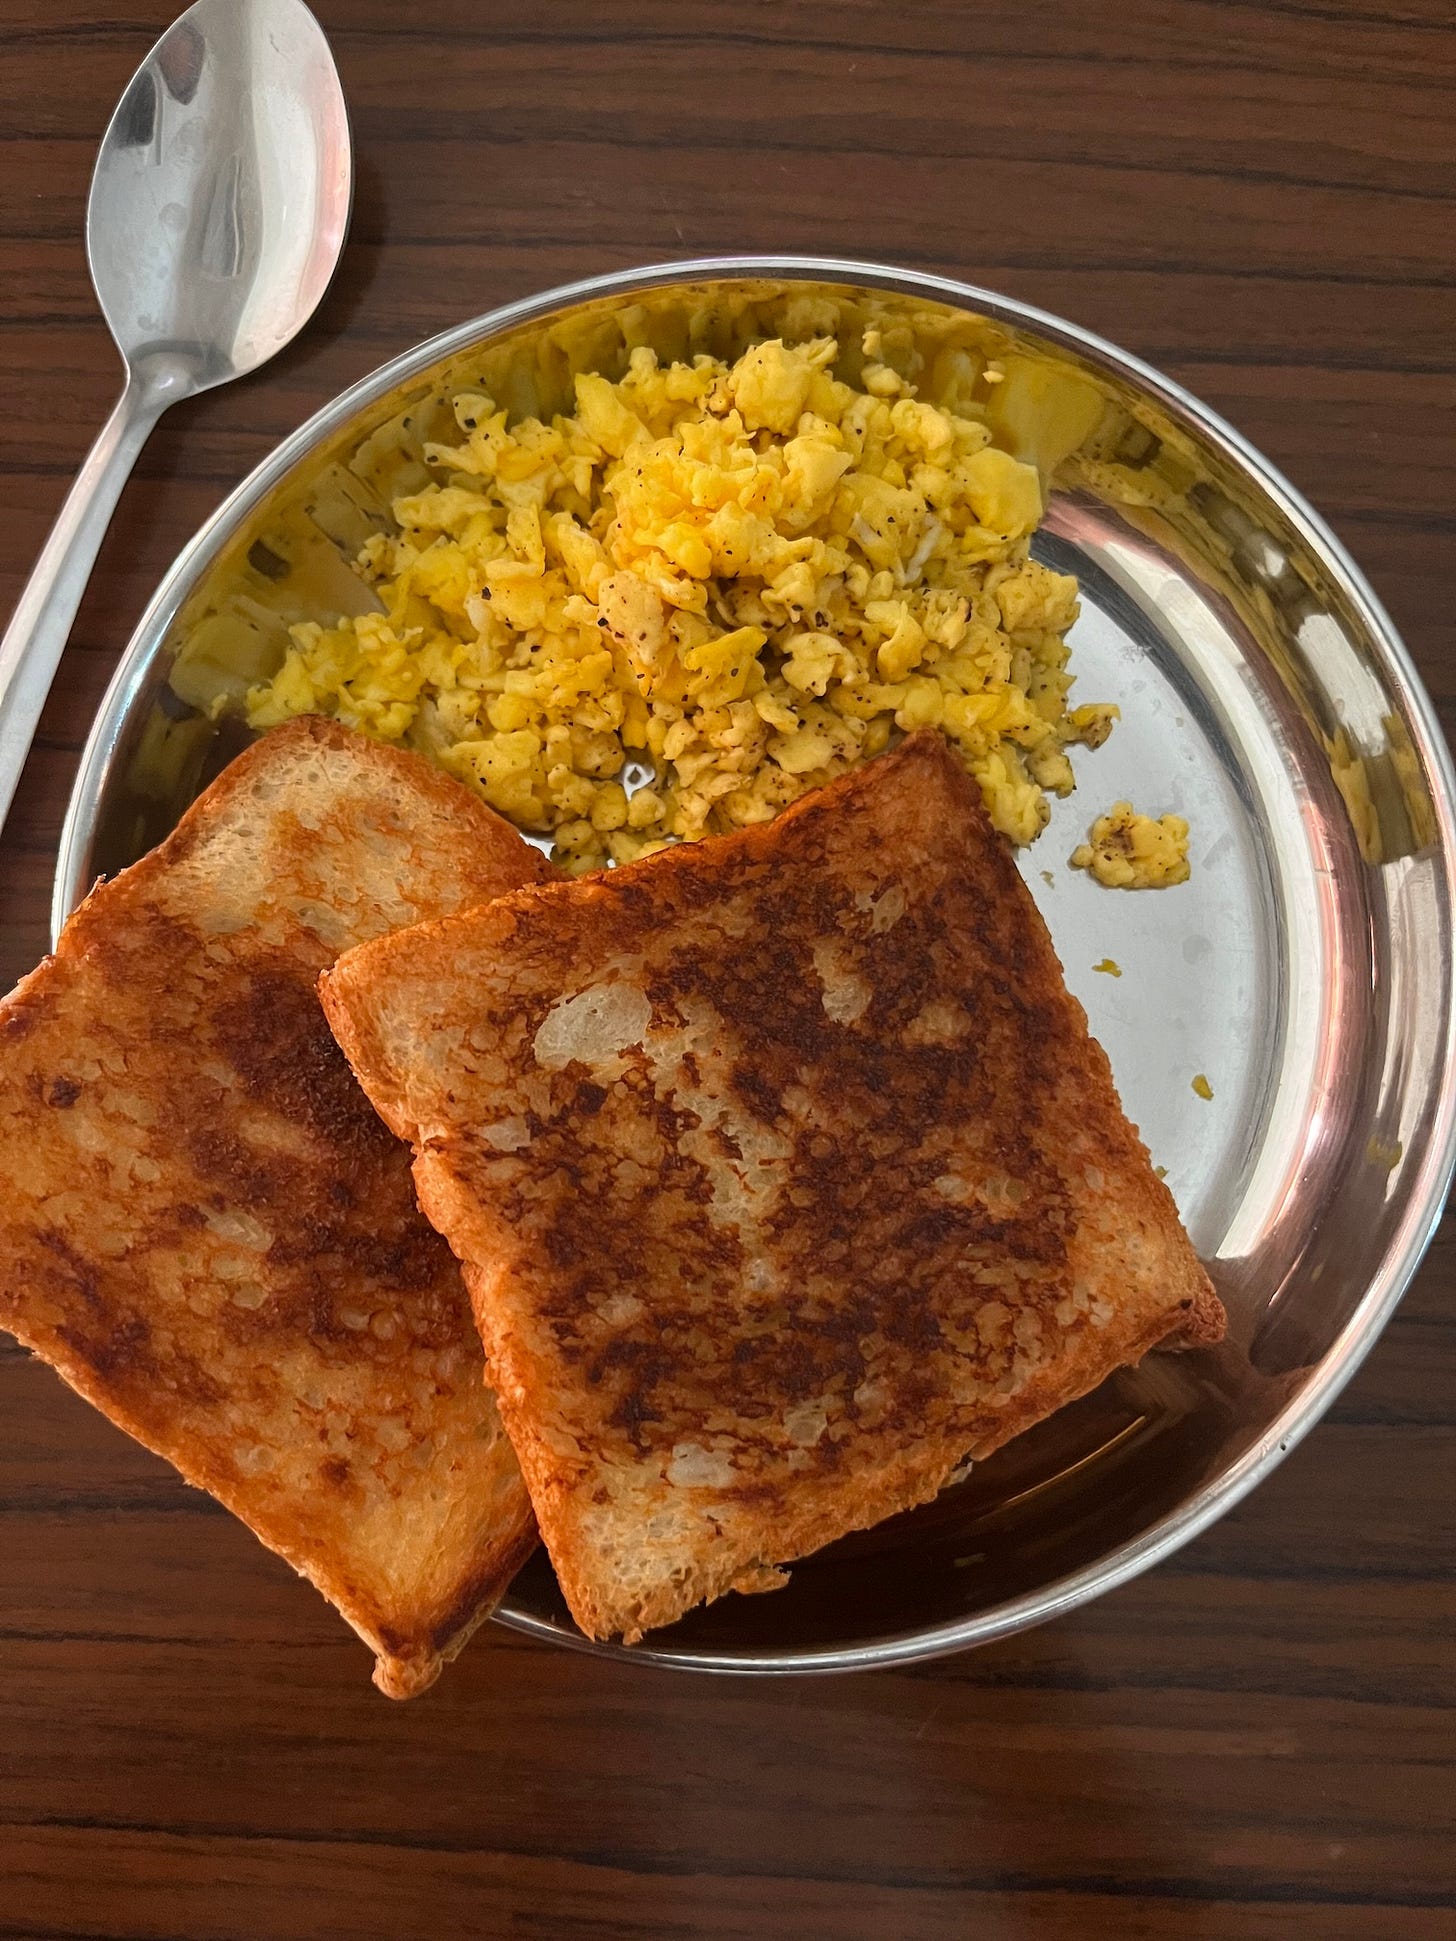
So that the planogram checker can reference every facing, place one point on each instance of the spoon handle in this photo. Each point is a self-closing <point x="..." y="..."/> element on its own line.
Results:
<point x="41" y="624"/>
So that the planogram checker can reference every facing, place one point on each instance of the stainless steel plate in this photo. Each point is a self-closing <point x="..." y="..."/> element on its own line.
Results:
<point x="1305" y="970"/>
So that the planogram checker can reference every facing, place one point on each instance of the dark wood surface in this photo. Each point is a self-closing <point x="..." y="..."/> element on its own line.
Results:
<point x="1254" y="1741"/>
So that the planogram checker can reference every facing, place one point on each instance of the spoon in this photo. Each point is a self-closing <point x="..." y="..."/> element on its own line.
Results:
<point x="217" y="213"/>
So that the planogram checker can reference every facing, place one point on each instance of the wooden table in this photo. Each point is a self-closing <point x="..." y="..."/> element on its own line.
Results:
<point x="1255" y="1740"/>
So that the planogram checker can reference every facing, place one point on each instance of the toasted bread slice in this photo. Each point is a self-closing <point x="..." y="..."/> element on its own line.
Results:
<point x="785" y="1173"/>
<point x="207" y="1231"/>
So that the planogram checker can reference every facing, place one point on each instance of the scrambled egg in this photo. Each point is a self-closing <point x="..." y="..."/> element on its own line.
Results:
<point x="1128" y="851"/>
<point x="710" y="588"/>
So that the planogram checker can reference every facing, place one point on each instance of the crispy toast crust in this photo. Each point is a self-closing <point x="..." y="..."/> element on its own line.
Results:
<point x="785" y="1174"/>
<point x="207" y="1231"/>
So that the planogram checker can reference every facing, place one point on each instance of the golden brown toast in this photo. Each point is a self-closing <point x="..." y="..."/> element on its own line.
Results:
<point x="785" y="1174"/>
<point x="206" y="1230"/>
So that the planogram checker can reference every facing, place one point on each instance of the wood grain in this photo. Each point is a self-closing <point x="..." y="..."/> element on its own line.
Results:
<point x="1252" y="1742"/>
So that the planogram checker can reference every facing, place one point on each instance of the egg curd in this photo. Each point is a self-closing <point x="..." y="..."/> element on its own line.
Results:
<point x="711" y="586"/>
<point x="1131" y="851"/>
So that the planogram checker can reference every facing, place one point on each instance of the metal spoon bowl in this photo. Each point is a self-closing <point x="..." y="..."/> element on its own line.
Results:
<point x="217" y="214"/>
